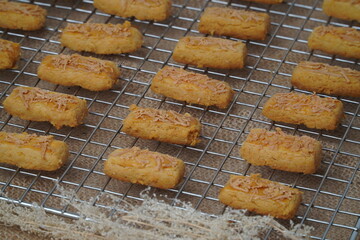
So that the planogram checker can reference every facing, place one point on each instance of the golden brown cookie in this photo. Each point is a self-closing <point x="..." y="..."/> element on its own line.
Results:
<point x="261" y="196"/>
<point x="234" y="23"/>
<point x="343" y="41"/>
<point x="102" y="38"/>
<point x="145" y="167"/>
<point x="157" y="10"/>
<point x="162" y="125"/>
<point x="311" y="110"/>
<point x="324" y="78"/>
<point x="210" y="52"/>
<point x="34" y="152"/>
<point x="35" y="104"/>
<point x="75" y="70"/>
<point x="23" y="16"/>
<point x="343" y="9"/>
<point x="192" y="87"/>
<point x="281" y="151"/>
<point x="9" y="54"/>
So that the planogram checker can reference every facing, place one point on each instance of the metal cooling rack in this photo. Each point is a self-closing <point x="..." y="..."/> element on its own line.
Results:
<point x="331" y="201"/>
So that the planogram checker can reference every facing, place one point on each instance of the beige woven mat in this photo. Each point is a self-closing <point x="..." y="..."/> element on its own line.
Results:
<point x="334" y="191"/>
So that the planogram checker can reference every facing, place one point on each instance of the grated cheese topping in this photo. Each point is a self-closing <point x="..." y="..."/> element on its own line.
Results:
<point x="277" y="139"/>
<point x="223" y="44"/>
<point x="90" y="29"/>
<point x="77" y="61"/>
<point x="297" y="102"/>
<point x="180" y="76"/>
<point x="30" y="95"/>
<point x="321" y="68"/>
<point x="164" y="116"/>
<point x="144" y="158"/>
<point x="260" y="188"/>
<point x="24" y="140"/>
<point x="345" y="33"/>
<point x="242" y="15"/>
<point x="7" y="46"/>
<point x="22" y="8"/>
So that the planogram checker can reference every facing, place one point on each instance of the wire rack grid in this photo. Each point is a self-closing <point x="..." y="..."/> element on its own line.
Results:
<point x="331" y="200"/>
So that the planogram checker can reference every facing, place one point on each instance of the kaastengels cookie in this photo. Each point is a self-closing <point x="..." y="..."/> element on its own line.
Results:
<point x="343" y="41"/>
<point x="192" y="87"/>
<point x="261" y="196"/>
<point x="102" y="38"/>
<point x="311" y="110"/>
<point x="32" y="152"/>
<point x="343" y="9"/>
<point x="145" y="167"/>
<point x="162" y="125"/>
<point x="281" y="151"/>
<point x="210" y="52"/>
<point x="157" y="10"/>
<point x="324" y="78"/>
<point x="234" y="23"/>
<point x="75" y="70"/>
<point x="23" y="16"/>
<point x="35" y="104"/>
<point x="9" y="54"/>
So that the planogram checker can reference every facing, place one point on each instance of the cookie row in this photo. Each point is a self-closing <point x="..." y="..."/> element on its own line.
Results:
<point x="154" y="169"/>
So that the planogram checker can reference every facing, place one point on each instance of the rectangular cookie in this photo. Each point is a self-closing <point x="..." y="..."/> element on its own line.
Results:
<point x="343" y="9"/>
<point x="343" y="41"/>
<point x="234" y="23"/>
<point x="23" y="16"/>
<point x="324" y="78"/>
<point x="33" y="152"/>
<point x="310" y="110"/>
<point x="9" y="54"/>
<point x="210" y="52"/>
<point x="281" y="151"/>
<point x="162" y="125"/>
<point x="192" y="87"/>
<point x="261" y="196"/>
<point x="157" y="10"/>
<point x="145" y="167"/>
<point x="35" y="104"/>
<point x="102" y="38"/>
<point x="75" y="70"/>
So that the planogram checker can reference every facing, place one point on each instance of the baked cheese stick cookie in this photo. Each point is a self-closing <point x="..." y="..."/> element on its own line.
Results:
<point x="341" y="41"/>
<point x="75" y="70"/>
<point x="35" y="104"/>
<point x="145" y="167"/>
<point x="266" y="1"/>
<point x="9" y="54"/>
<point x="157" y="10"/>
<point x="324" y="78"/>
<point x="21" y="16"/>
<point x="162" y="125"/>
<point x="234" y="23"/>
<point x="281" y="151"/>
<point x="343" y="9"/>
<point x="192" y="87"/>
<point x="34" y="152"/>
<point x="102" y="38"/>
<point x="210" y="52"/>
<point x="310" y="110"/>
<point x="261" y="196"/>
